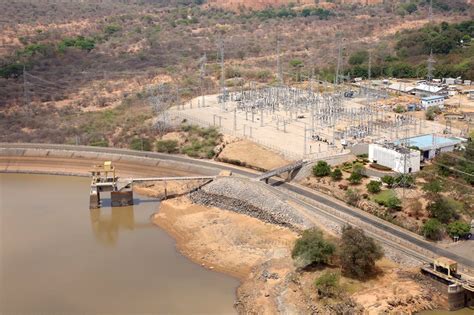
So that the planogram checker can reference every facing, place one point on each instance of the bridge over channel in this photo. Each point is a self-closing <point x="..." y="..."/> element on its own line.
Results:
<point x="291" y="169"/>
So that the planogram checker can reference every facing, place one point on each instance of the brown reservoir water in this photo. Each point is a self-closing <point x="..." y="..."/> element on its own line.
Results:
<point x="57" y="256"/>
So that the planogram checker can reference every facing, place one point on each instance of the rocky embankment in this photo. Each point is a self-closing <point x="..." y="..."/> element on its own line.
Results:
<point x="251" y="198"/>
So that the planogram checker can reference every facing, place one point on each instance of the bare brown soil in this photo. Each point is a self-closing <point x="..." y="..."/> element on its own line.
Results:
<point x="258" y="254"/>
<point x="249" y="154"/>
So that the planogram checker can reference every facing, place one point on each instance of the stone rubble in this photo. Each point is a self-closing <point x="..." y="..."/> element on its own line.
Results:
<point x="251" y="198"/>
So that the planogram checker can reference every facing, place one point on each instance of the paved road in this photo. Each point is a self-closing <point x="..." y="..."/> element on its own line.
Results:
<point x="328" y="201"/>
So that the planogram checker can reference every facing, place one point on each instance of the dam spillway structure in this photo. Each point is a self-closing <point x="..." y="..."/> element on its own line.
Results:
<point x="104" y="179"/>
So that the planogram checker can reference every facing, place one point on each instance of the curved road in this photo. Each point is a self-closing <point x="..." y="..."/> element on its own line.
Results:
<point x="384" y="226"/>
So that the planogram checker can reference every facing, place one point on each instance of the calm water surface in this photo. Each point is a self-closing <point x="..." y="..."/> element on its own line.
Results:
<point x="57" y="256"/>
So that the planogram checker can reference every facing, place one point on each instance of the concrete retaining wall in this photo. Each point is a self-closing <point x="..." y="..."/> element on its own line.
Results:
<point x="359" y="148"/>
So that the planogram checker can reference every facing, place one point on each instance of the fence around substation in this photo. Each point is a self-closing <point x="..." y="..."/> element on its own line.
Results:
<point x="287" y="154"/>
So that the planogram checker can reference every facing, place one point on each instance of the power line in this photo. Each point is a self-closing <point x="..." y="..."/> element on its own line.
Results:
<point x="451" y="168"/>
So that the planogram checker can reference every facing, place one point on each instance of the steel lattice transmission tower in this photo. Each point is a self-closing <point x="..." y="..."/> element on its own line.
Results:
<point x="279" y="69"/>
<point x="222" y="81"/>
<point x="202" y="75"/>
<point x="430" y="66"/>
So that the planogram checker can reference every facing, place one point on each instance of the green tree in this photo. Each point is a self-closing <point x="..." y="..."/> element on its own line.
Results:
<point x="359" y="57"/>
<point x="321" y="169"/>
<point x="356" y="175"/>
<point x="328" y="284"/>
<point x="410" y="7"/>
<point x="374" y="186"/>
<point x="312" y="248"/>
<point x="458" y="228"/>
<point x="444" y="209"/>
<point x="336" y="174"/>
<point x="432" y="229"/>
<point x="358" y="253"/>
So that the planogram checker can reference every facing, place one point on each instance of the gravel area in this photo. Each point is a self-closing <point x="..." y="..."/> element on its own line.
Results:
<point x="251" y="198"/>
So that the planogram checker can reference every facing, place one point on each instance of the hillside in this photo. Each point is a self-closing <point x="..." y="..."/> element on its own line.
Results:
<point x="261" y="4"/>
<point x="89" y="60"/>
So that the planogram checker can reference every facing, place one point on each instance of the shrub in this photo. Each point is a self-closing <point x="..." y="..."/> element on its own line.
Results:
<point x="312" y="248"/>
<point x="321" y="169"/>
<point x="432" y="187"/>
<point x="352" y="197"/>
<point x="328" y="284"/>
<point x="399" y="109"/>
<point x="393" y="203"/>
<point x="404" y="180"/>
<point x="167" y="146"/>
<point x="99" y="143"/>
<point x="432" y="229"/>
<point x="458" y="228"/>
<point x="358" y="253"/>
<point x="374" y="186"/>
<point x="336" y="174"/>
<point x="80" y="42"/>
<point x="356" y="177"/>
<point x="12" y="70"/>
<point x="140" y="144"/>
<point x="111" y="29"/>
<point x="389" y="180"/>
<point x="431" y="113"/>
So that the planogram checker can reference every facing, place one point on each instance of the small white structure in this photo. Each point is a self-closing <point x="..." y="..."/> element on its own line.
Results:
<point x="449" y="81"/>
<point x="399" y="159"/>
<point x="430" y="101"/>
<point x="400" y="87"/>
<point x="424" y="89"/>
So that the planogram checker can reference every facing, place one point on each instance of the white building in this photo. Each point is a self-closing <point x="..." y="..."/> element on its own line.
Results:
<point x="424" y="89"/>
<point x="397" y="158"/>
<point x="430" y="101"/>
<point x="430" y="144"/>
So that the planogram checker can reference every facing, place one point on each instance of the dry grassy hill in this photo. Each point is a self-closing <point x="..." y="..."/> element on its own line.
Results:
<point x="260" y="4"/>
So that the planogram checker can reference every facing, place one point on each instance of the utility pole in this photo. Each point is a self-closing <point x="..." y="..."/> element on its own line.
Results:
<point x="26" y="96"/>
